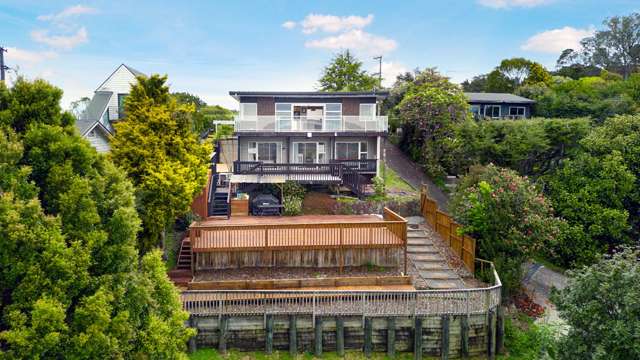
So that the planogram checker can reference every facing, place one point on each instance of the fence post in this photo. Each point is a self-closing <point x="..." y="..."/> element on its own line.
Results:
<point x="444" y="351"/>
<point x="340" y="336"/>
<point x="269" y="335"/>
<point x="464" y="335"/>
<point x="500" y="330"/>
<point x="192" y="340"/>
<point x="417" y="339"/>
<point x="293" y="345"/>
<point x="318" y="336"/>
<point x="222" y="341"/>
<point x="391" y="336"/>
<point x="368" y="335"/>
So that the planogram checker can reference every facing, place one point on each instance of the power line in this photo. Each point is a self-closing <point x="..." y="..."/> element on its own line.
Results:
<point x="379" y="73"/>
<point x="3" y="67"/>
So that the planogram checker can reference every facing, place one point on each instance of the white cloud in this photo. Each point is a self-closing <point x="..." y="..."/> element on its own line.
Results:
<point x="389" y="72"/>
<point x="356" y="40"/>
<point x="68" y="12"/>
<point x="332" y="24"/>
<point x="66" y="42"/>
<point x="289" y="25"/>
<point x="556" y="40"/>
<point x="25" y="56"/>
<point x="501" y="4"/>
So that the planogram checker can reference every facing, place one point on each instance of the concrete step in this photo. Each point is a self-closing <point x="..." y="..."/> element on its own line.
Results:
<point x="439" y="275"/>
<point x="444" y="284"/>
<point x="431" y="266"/>
<point x="424" y="249"/>
<point x="426" y="257"/>
<point x="416" y="233"/>
<point x="418" y="242"/>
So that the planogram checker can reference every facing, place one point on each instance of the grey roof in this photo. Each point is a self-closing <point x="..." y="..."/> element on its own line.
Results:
<point x="310" y="94"/>
<point x="134" y="71"/>
<point x="497" y="98"/>
<point x="93" y="112"/>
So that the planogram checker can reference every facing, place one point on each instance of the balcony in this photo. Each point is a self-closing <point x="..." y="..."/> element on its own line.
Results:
<point x="329" y="124"/>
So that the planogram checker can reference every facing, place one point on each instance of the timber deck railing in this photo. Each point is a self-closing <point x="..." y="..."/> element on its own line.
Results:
<point x="463" y="246"/>
<point x="344" y="302"/>
<point x="388" y="233"/>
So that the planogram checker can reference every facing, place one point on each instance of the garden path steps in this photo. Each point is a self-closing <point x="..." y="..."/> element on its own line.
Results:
<point x="432" y="266"/>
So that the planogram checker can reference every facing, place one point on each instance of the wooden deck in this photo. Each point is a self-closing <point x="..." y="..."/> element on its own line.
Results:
<point x="298" y="232"/>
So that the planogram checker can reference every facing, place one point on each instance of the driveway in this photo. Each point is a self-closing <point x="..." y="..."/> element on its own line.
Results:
<point x="412" y="173"/>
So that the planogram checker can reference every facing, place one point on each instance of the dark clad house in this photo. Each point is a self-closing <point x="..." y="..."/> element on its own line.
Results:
<point x="499" y="106"/>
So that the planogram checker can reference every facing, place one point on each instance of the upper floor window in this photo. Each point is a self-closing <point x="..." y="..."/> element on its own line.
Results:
<point x="367" y="111"/>
<point x="248" y="110"/>
<point x="492" y="111"/>
<point x="121" y="98"/>
<point x="516" y="112"/>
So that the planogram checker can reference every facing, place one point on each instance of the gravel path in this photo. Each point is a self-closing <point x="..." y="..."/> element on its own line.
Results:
<point x="538" y="282"/>
<point x="410" y="172"/>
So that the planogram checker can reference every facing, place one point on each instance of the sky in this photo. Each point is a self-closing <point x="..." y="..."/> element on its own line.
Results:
<point x="209" y="48"/>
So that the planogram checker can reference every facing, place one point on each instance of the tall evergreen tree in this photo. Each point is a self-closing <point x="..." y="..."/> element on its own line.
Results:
<point x="161" y="154"/>
<point x="345" y="73"/>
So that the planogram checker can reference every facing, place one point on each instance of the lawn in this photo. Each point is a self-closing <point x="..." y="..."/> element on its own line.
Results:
<point x="210" y="354"/>
<point x="394" y="182"/>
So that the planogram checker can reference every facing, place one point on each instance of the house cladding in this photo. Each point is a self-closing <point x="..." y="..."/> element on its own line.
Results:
<point x="95" y="124"/>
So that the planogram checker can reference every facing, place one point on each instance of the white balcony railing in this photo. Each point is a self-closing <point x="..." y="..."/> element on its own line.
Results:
<point x="311" y="124"/>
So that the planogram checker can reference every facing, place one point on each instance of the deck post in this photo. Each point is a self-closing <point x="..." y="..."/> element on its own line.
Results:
<point x="491" y="335"/>
<point x="222" y="326"/>
<point x="318" y="336"/>
<point x="269" y="334"/>
<point x="417" y="339"/>
<point x="391" y="336"/>
<point x="500" y="330"/>
<point x="293" y="344"/>
<point x="340" y="335"/>
<point x="192" y="340"/>
<point x="368" y="336"/>
<point x="444" y="351"/>
<point x="464" y="336"/>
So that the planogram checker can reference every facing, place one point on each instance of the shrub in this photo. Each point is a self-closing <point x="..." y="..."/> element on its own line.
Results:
<point x="507" y="215"/>
<point x="292" y="196"/>
<point x="601" y="305"/>
<point x="379" y="187"/>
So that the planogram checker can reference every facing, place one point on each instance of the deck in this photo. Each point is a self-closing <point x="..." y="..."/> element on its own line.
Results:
<point x="249" y="233"/>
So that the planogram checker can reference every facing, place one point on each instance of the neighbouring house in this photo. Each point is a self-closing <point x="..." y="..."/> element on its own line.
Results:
<point x="313" y="138"/>
<point x="499" y="106"/>
<point x="106" y="107"/>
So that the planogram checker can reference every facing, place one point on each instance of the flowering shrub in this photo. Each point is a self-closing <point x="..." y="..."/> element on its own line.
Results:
<point x="507" y="215"/>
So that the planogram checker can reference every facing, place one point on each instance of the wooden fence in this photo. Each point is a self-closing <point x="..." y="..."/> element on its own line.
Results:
<point x="199" y="206"/>
<point x="462" y="245"/>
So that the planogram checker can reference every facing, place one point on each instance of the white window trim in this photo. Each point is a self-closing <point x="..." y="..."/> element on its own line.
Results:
<point x="499" y="111"/>
<point x="251" y="151"/>
<point x="294" y="147"/>
<point x="524" y="112"/>
<point x="373" y="116"/>
<point x="360" y="152"/>
<point x="242" y="115"/>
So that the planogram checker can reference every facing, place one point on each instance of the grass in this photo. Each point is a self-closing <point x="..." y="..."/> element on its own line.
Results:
<point x="549" y="265"/>
<point x="394" y="181"/>
<point x="210" y="354"/>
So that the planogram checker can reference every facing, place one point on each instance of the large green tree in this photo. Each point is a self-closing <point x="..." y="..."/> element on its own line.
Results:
<point x="345" y="73"/>
<point x="72" y="283"/>
<point x="601" y="305"/>
<point x="428" y="111"/>
<point x="161" y="154"/>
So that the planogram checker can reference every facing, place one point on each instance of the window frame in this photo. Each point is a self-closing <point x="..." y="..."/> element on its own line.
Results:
<point x="518" y="116"/>
<point x="373" y="111"/>
<point x="296" y="146"/>
<point x="242" y="109"/>
<point x="493" y="106"/>
<point x="360" y="151"/>
<point x="253" y="152"/>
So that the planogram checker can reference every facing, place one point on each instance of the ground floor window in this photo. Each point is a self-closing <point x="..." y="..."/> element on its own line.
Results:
<point x="309" y="152"/>
<point x="516" y="112"/>
<point x="351" y="150"/>
<point x="492" y="111"/>
<point x="263" y="151"/>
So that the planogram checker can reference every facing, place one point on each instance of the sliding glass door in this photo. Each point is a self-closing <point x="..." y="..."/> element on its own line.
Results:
<point x="309" y="152"/>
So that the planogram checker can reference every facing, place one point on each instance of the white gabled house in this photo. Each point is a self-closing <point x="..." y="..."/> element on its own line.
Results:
<point x="106" y="107"/>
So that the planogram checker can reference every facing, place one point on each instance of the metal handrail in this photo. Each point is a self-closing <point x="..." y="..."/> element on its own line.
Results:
<point x="279" y="123"/>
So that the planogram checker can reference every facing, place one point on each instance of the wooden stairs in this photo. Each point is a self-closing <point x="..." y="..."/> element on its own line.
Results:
<point x="182" y="275"/>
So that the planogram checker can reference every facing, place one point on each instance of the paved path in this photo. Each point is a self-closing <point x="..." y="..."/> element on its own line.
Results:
<point x="413" y="173"/>
<point x="538" y="281"/>
<point x="431" y="265"/>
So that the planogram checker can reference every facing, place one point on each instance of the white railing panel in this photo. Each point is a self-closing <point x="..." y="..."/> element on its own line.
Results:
<point x="311" y="124"/>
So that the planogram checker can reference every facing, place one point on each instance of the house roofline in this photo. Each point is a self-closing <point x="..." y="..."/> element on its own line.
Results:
<point x="113" y="72"/>
<point x="310" y="94"/>
<point x="98" y="124"/>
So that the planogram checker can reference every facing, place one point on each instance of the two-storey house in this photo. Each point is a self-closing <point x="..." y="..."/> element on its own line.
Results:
<point x="106" y="107"/>
<point x="309" y="137"/>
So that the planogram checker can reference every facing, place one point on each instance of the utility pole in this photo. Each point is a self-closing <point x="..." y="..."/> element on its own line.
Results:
<point x="379" y="58"/>
<point x="3" y="67"/>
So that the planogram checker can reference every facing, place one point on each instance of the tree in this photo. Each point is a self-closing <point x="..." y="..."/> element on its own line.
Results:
<point x="601" y="305"/>
<point x="428" y="111"/>
<point x="345" y="73"/>
<point x="617" y="47"/>
<point x="79" y="106"/>
<point x="515" y="69"/>
<point x="590" y="193"/>
<point x="73" y="285"/>
<point x="185" y="98"/>
<point x="477" y="84"/>
<point x="498" y="82"/>
<point x="161" y="154"/>
<point x="508" y="216"/>
<point x="537" y="74"/>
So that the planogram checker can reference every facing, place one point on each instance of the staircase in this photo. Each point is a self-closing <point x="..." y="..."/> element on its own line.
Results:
<point x="182" y="275"/>
<point x="220" y="206"/>
<point x="431" y="265"/>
